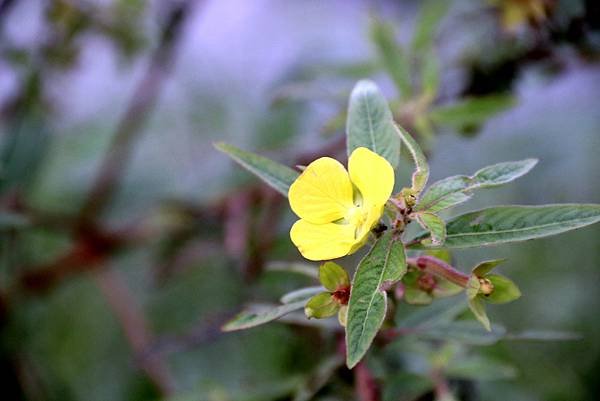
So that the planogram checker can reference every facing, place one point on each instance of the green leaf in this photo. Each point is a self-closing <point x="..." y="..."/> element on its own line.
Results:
<point x="370" y="123"/>
<point x="454" y="190"/>
<point x="276" y="175"/>
<point x="385" y="263"/>
<point x="464" y="331"/>
<point x="480" y="367"/>
<point x="477" y="306"/>
<point x="435" y="225"/>
<point x="392" y="56"/>
<point x="252" y="318"/>
<point x="471" y="113"/>
<point x="501" y="173"/>
<point x="429" y="18"/>
<point x="416" y="296"/>
<point x="504" y="290"/>
<point x="421" y="174"/>
<point x="302" y="294"/>
<point x="444" y="194"/>
<point x="430" y="79"/>
<point x="486" y="266"/>
<point x="544" y="335"/>
<point x="321" y="306"/>
<point x="333" y="276"/>
<point x="440" y="312"/>
<point x="502" y="224"/>
<point x="445" y="288"/>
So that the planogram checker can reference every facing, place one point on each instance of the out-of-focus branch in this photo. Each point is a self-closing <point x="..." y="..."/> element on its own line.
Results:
<point x="131" y="318"/>
<point x="129" y="129"/>
<point x="365" y="385"/>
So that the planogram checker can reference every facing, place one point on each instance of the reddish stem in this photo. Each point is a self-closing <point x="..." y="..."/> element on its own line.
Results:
<point x="439" y="268"/>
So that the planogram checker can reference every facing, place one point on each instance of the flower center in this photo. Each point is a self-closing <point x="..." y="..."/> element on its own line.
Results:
<point x="357" y="216"/>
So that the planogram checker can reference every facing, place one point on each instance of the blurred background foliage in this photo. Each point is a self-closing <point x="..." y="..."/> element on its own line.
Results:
<point x="126" y="240"/>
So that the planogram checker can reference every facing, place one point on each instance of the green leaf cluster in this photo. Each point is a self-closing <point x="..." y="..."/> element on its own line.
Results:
<point x="385" y="269"/>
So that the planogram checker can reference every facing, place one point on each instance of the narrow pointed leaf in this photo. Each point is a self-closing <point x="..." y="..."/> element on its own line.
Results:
<point x="477" y="306"/>
<point x="302" y="294"/>
<point x="435" y="225"/>
<point x="465" y="332"/>
<point x="502" y="173"/>
<point x="421" y="174"/>
<point x="502" y="224"/>
<point x="370" y="123"/>
<point x="456" y="189"/>
<point x="251" y="318"/>
<point x="385" y="262"/>
<point x="431" y="13"/>
<point x="392" y="56"/>
<point x="276" y="175"/>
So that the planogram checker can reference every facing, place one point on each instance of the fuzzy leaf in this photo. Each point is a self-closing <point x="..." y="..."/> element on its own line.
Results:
<point x="333" y="276"/>
<point x="456" y="189"/>
<point x="502" y="224"/>
<point x="276" y="175"/>
<point x="421" y="174"/>
<point x="251" y="318"/>
<point x="435" y="225"/>
<point x="504" y="290"/>
<point x="385" y="262"/>
<point x="370" y="123"/>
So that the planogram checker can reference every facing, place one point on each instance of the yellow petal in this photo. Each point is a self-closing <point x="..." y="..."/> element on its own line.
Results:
<point x="372" y="214"/>
<point x="322" y="241"/>
<point x="372" y="175"/>
<point x="322" y="193"/>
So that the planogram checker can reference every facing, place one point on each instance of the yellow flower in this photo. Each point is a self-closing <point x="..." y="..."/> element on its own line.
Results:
<point x="338" y="208"/>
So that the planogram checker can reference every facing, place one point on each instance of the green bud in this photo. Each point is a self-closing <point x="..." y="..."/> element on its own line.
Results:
<point x="321" y="306"/>
<point x="333" y="276"/>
